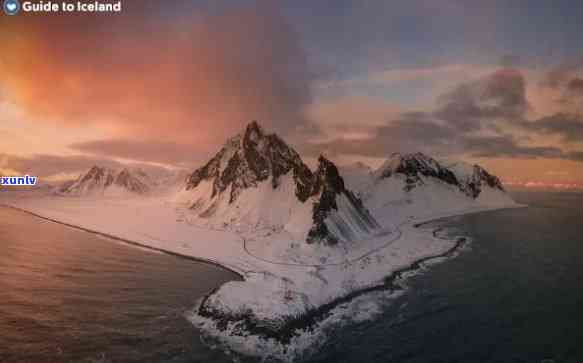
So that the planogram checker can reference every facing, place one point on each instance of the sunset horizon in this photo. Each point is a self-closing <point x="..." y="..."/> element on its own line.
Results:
<point x="166" y="86"/>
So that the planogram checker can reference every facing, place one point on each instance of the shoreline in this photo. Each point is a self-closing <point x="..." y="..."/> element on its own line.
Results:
<point x="292" y="325"/>
<point x="129" y="242"/>
<point x="308" y="320"/>
<point x="312" y="317"/>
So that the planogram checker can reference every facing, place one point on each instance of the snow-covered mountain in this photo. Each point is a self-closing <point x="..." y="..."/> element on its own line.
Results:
<point x="415" y="168"/>
<point x="105" y="181"/>
<point x="473" y="178"/>
<point x="257" y="181"/>
<point x="416" y="184"/>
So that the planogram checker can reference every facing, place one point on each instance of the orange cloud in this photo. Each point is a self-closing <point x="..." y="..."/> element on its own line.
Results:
<point x="189" y="77"/>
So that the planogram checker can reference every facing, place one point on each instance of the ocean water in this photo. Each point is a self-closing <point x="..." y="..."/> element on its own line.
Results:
<point x="514" y="294"/>
<point x="70" y="296"/>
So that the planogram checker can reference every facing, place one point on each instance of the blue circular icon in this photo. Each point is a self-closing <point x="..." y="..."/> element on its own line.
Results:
<point x="11" y="7"/>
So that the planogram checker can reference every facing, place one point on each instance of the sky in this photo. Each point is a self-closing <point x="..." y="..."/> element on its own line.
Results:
<point x="499" y="83"/>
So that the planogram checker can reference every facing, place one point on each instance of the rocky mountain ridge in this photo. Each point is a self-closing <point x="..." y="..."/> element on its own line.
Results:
<point x="417" y="167"/>
<point x="101" y="181"/>
<point x="255" y="157"/>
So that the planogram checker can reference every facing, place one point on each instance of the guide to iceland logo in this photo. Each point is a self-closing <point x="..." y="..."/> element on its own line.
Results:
<point x="11" y="7"/>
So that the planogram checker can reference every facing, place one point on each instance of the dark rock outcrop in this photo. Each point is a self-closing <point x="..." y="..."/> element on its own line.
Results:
<point x="413" y="166"/>
<point x="477" y="179"/>
<point x="328" y="185"/>
<point x="127" y="180"/>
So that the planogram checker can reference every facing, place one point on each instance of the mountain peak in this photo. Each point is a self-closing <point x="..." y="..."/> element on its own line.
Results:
<point x="98" y="173"/>
<point x="324" y="162"/>
<point x="327" y="174"/>
<point x="417" y="167"/>
<point x="95" y="168"/>
<point x="473" y="177"/>
<point x="98" y="181"/>
<point x="414" y="166"/>
<point x="254" y="131"/>
<point x="131" y="181"/>
<point x="248" y="160"/>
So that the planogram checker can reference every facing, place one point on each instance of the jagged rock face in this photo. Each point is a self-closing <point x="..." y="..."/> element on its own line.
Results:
<point x="414" y="165"/>
<point x="99" y="176"/>
<point x="249" y="159"/>
<point x="328" y="185"/>
<point x="478" y="178"/>
<point x="127" y="180"/>
<point x="95" y="180"/>
<point x="468" y="178"/>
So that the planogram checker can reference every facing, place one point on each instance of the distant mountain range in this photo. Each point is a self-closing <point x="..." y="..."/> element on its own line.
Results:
<point x="105" y="181"/>
<point x="415" y="184"/>
<point x="257" y="181"/>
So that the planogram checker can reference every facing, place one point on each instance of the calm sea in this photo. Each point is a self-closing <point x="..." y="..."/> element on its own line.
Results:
<point x="515" y="296"/>
<point x="70" y="296"/>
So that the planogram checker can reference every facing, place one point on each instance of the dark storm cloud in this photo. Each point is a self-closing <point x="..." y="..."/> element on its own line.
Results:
<point x="566" y="79"/>
<point x="568" y="126"/>
<point x="575" y="155"/>
<point x="148" y="151"/>
<point x="506" y="146"/>
<point x="414" y="131"/>
<point x="575" y="86"/>
<point x="561" y="74"/>
<point x="459" y="125"/>
<point x="413" y="134"/>
<point x="470" y="105"/>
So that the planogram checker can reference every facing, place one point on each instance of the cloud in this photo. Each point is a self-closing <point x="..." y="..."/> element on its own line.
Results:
<point x="351" y="115"/>
<point x="418" y="132"/>
<point x="561" y="89"/>
<point x="568" y="126"/>
<point x="421" y="73"/>
<point x="413" y="131"/>
<point x="182" y="73"/>
<point x="510" y="60"/>
<point x="559" y="75"/>
<point x="499" y="95"/>
<point x="575" y="156"/>
<point x="506" y="146"/>
<point x="479" y="118"/>
<point x="146" y="151"/>
<point x="575" y="85"/>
